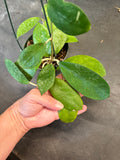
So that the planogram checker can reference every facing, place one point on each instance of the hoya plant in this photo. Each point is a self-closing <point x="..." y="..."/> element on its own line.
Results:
<point x="82" y="73"/>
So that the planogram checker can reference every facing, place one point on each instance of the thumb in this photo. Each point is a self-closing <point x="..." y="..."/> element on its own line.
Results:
<point x="45" y="100"/>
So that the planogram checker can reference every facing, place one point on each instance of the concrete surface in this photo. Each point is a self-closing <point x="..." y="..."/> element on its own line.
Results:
<point x="95" y="135"/>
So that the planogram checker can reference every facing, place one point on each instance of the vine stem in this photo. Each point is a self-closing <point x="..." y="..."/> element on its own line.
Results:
<point x="12" y="24"/>
<point x="45" y="17"/>
<point x="47" y="25"/>
<point x="52" y="47"/>
<point x="33" y="84"/>
<point x="48" y="40"/>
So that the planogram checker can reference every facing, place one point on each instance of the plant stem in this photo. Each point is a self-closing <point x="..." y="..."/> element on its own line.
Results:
<point x="48" y="40"/>
<point x="47" y="26"/>
<point x="45" y="17"/>
<point x="12" y="24"/>
<point x="33" y="84"/>
<point x="52" y="49"/>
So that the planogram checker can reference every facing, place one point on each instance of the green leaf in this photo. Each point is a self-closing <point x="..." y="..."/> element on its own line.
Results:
<point x="88" y="62"/>
<point x="59" y="39"/>
<point x="48" y="19"/>
<point x="67" y="116"/>
<point x="46" y="78"/>
<point x="68" y="17"/>
<point x="31" y="56"/>
<point x="49" y="23"/>
<point x="66" y="95"/>
<point x="27" y="25"/>
<point x="15" y="72"/>
<point x="28" y="73"/>
<point x="85" y="81"/>
<point x="41" y="35"/>
<point x="71" y="39"/>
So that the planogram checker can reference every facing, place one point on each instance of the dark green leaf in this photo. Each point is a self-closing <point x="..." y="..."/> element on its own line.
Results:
<point x="27" y="25"/>
<point x="85" y="80"/>
<point x="68" y="17"/>
<point x="41" y="35"/>
<point x="66" y="95"/>
<point x="15" y="72"/>
<point x="31" y="56"/>
<point x="67" y="116"/>
<point x="88" y="62"/>
<point x="46" y="78"/>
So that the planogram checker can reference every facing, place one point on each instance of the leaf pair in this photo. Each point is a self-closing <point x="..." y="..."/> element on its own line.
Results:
<point x="28" y="62"/>
<point x="70" y="39"/>
<point x="85" y="80"/>
<point x="69" y="98"/>
<point x="41" y="35"/>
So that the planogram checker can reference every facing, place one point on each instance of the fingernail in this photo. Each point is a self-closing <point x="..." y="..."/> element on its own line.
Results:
<point x="59" y="105"/>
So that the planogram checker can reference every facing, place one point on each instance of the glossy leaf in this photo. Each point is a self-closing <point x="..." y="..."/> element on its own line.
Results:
<point x="85" y="81"/>
<point x="41" y="35"/>
<point x="71" y="39"/>
<point x="67" y="116"/>
<point x="68" y="17"/>
<point x="28" y="73"/>
<point x="15" y="72"/>
<point x="27" y="25"/>
<point x="31" y="56"/>
<point x="46" y="78"/>
<point x="59" y="39"/>
<point x="66" y="95"/>
<point x="88" y="62"/>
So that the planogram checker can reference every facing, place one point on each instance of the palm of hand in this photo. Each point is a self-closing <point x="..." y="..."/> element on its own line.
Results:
<point x="39" y="111"/>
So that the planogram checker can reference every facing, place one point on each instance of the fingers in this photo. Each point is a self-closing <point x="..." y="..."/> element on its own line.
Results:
<point x="60" y="76"/>
<point x="83" y="110"/>
<point x="46" y="100"/>
<point x="43" y="118"/>
<point x="47" y="116"/>
<point x="81" y="95"/>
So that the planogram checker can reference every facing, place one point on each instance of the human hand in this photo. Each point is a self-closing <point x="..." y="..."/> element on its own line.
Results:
<point x="38" y="111"/>
<point x="31" y="111"/>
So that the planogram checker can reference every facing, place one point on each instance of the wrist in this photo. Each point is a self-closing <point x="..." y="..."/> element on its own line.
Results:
<point x="13" y="129"/>
<point x="17" y="120"/>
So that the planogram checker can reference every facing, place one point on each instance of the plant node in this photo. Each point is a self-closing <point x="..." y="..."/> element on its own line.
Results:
<point x="48" y="40"/>
<point x="46" y="61"/>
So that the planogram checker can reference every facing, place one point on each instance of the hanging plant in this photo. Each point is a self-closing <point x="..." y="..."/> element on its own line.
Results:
<point x="82" y="73"/>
